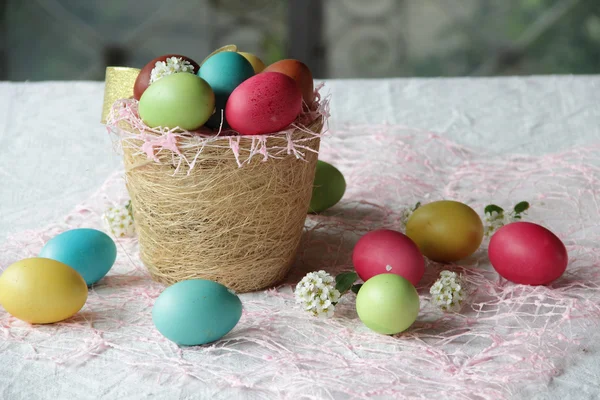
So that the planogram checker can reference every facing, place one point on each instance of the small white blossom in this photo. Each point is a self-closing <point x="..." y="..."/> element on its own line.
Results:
<point x="170" y="66"/>
<point x="316" y="293"/>
<point x="448" y="292"/>
<point x="494" y="221"/>
<point x="119" y="221"/>
<point x="405" y="215"/>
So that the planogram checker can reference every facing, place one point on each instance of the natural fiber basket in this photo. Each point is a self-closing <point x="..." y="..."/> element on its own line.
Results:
<point x="229" y="209"/>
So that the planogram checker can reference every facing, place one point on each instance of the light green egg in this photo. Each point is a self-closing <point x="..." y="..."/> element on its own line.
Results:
<point x="388" y="304"/>
<point x="180" y="100"/>
<point x="328" y="188"/>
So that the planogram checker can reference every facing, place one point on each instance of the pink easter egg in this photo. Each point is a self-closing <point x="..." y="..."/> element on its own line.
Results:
<point x="527" y="253"/>
<point x="388" y="252"/>
<point x="265" y="103"/>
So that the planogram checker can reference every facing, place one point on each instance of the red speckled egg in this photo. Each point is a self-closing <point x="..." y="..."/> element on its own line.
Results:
<point x="527" y="253"/>
<point x="265" y="103"/>
<point x="388" y="252"/>
<point x="143" y="80"/>
<point x="300" y="73"/>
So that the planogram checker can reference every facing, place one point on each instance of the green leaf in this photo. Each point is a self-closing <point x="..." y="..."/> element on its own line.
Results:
<point x="492" y="207"/>
<point x="344" y="281"/>
<point x="356" y="288"/>
<point x="129" y="207"/>
<point x="521" y="207"/>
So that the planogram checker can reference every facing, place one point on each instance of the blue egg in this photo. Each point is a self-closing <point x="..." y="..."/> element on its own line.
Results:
<point x="90" y="252"/>
<point x="224" y="72"/>
<point x="196" y="312"/>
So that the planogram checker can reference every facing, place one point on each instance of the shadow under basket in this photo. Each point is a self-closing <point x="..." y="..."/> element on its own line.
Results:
<point x="237" y="225"/>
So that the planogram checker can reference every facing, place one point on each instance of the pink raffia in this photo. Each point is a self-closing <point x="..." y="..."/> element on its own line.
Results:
<point x="508" y="340"/>
<point x="179" y="141"/>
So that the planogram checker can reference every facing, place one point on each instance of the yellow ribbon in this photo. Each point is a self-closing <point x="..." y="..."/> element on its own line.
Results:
<point x="119" y="85"/>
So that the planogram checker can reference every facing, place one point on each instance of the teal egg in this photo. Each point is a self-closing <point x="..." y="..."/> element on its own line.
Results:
<point x="90" y="252"/>
<point x="224" y="72"/>
<point x="196" y="312"/>
<point x="179" y="100"/>
<point x="328" y="188"/>
<point x="387" y="304"/>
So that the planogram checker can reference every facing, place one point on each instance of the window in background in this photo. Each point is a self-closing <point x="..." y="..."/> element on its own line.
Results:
<point x="73" y="39"/>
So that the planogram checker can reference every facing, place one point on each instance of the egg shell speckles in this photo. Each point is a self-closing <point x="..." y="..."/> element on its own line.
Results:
<point x="266" y="103"/>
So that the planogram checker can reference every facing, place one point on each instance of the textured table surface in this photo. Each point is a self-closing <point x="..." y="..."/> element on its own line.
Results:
<point x="397" y="141"/>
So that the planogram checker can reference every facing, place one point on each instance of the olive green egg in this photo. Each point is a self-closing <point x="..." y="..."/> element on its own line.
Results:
<point x="328" y="188"/>
<point x="446" y="230"/>
<point x="181" y="100"/>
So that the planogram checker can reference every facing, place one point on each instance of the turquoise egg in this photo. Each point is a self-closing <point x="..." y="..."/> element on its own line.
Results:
<point x="224" y="72"/>
<point x="196" y="312"/>
<point x="90" y="252"/>
<point x="328" y="188"/>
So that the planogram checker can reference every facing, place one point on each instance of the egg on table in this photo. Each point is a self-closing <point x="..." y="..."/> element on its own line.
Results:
<point x="445" y="231"/>
<point x="196" y="312"/>
<point x="387" y="251"/>
<point x="181" y="100"/>
<point x="266" y="103"/>
<point x="300" y="73"/>
<point x="90" y="252"/>
<point x="387" y="304"/>
<point x="224" y="72"/>
<point x="328" y="188"/>
<point x="42" y="291"/>
<point x="527" y="253"/>
<point x="143" y="80"/>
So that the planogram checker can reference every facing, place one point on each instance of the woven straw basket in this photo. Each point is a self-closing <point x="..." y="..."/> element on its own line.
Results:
<point x="240" y="226"/>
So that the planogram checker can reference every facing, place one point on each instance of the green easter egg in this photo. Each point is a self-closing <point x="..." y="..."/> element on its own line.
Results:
<point x="179" y="100"/>
<point x="328" y="188"/>
<point x="387" y="303"/>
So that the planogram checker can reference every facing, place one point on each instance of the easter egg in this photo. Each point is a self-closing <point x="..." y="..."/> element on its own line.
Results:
<point x="300" y="73"/>
<point x="266" y="103"/>
<point x="227" y="47"/>
<point x="90" y="252"/>
<point x="42" y="291"/>
<point x="180" y="100"/>
<point x="387" y="251"/>
<point x="257" y="64"/>
<point x="527" y="253"/>
<point x="387" y="304"/>
<point x="224" y="72"/>
<point x="143" y="80"/>
<point x="445" y="231"/>
<point x="328" y="187"/>
<point x="196" y="312"/>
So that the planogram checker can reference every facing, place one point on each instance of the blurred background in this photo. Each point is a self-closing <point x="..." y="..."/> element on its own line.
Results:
<point x="77" y="39"/>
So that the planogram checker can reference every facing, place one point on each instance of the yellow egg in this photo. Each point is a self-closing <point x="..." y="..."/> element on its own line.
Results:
<point x="446" y="230"/>
<point x="42" y="291"/>
<point x="256" y="62"/>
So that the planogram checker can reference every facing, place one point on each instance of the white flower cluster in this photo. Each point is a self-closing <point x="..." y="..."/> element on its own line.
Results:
<point x="405" y="214"/>
<point x="495" y="220"/>
<point x="317" y="294"/>
<point x="170" y="66"/>
<point x="448" y="292"/>
<point x="119" y="221"/>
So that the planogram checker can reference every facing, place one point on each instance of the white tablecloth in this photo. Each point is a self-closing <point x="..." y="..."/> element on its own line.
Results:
<point x="54" y="154"/>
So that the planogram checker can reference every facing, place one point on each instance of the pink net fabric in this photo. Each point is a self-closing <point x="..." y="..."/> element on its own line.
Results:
<point x="506" y="337"/>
